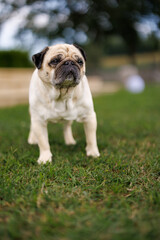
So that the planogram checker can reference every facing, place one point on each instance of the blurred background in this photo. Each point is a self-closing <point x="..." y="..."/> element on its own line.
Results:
<point x="121" y="39"/>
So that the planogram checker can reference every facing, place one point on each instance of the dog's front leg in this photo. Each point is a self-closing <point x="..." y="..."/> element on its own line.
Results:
<point x="90" y="127"/>
<point x="39" y="128"/>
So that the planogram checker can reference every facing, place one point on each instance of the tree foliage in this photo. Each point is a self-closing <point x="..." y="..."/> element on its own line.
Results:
<point x="81" y="21"/>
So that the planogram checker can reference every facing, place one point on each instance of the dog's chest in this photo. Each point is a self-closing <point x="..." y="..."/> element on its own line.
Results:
<point x="66" y="109"/>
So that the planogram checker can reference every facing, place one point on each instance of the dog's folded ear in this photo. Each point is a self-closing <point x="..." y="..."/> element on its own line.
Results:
<point x="38" y="57"/>
<point x="81" y="51"/>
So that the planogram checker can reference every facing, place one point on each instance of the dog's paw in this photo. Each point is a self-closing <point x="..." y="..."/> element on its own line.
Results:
<point x="45" y="157"/>
<point x="70" y="141"/>
<point x="92" y="152"/>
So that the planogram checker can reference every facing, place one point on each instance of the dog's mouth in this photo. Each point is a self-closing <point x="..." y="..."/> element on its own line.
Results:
<point x="67" y="76"/>
<point x="69" y="80"/>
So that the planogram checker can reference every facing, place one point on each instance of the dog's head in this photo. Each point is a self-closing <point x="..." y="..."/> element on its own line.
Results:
<point x="62" y="65"/>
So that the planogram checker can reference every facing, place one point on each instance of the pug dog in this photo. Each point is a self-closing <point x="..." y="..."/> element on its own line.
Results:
<point x="59" y="91"/>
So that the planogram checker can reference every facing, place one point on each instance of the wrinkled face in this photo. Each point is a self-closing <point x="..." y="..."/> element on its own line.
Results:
<point x="62" y="65"/>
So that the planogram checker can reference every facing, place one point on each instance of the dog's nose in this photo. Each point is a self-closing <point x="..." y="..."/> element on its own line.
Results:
<point x="68" y="62"/>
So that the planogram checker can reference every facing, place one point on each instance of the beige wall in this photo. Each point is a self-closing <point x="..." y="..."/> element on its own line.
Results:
<point x="14" y="85"/>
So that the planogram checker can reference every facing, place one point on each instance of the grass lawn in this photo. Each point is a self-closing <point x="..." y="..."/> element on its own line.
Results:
<point x="116" y="196"/>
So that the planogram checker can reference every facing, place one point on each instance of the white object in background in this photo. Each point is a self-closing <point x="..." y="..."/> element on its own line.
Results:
<point x="135" y="84"/>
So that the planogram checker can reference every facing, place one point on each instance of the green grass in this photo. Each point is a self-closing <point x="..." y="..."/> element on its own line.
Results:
<point x="116" y="196"/>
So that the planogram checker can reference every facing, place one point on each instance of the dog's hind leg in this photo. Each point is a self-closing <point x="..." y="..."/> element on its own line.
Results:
<point x="68" y="136"/>
<point x="32" y="138"/>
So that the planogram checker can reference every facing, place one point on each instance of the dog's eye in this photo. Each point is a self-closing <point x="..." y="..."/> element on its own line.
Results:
<point x="80" y="62"/>
<point x="54" y="61"/>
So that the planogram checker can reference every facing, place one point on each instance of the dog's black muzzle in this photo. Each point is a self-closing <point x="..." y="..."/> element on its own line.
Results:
<point x="67" y="75"/>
